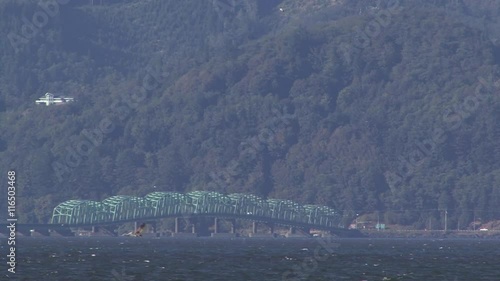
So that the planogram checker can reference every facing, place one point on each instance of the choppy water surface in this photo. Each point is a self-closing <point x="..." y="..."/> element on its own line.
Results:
<point x="127" y="259"/>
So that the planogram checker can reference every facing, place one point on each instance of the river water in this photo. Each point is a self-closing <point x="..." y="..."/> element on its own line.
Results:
<point x="131" y="258"/>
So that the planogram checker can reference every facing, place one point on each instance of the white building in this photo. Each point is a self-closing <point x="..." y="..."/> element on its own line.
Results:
<point x="49" y="99"/>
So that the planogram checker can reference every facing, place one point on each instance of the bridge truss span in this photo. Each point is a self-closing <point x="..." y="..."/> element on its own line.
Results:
<point x="158" y="205"/>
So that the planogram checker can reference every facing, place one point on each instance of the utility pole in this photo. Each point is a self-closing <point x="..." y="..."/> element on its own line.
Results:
<point x="445" y="220"/>
<point x="378" y="220"/>
<point x="474" y="222"/>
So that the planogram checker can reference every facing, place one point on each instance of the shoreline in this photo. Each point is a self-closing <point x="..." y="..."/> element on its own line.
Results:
<point x="492" y="234"/>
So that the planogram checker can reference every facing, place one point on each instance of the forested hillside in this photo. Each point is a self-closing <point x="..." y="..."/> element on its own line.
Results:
<point x="367" y="107"/>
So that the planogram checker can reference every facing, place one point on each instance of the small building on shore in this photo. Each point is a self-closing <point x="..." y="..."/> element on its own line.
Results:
<point x="49" y="99"/>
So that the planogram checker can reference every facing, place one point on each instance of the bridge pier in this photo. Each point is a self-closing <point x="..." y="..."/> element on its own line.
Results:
<point x="176" y="229"/>
<point x="264" y="234"/>
<point x="153" y="227"/>
<point x="233" y="226"/>
<point x="216" y="225"/>
<point x="178" y="232"/>
<point x="216" y="232"/>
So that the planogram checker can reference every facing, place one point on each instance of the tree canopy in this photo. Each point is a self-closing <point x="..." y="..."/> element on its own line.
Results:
<point x="363" y="107"/>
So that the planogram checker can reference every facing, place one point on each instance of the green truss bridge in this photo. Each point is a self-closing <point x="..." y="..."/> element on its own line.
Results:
<point x="156" y="205"/>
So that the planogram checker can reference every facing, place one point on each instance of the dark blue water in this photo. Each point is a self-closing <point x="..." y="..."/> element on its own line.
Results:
<point x="130" y="258"/>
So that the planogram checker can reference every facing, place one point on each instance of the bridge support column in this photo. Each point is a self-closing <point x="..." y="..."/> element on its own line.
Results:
<point x="254" y="227"/>
<point x="176" y="229"/>
<point x="193" y="227"/>
<point x="94" y="229"/>
<point x="271" y="226"/>
<point x="292" y="230"/>
<point x="233" y="226"/>
<point x="216" y="225"/>
<point x="136" y="225"/>
<point x="153" y="227"/>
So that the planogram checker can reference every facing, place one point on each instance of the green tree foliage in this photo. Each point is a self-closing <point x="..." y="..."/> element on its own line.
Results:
<point x="237" y="96"/>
